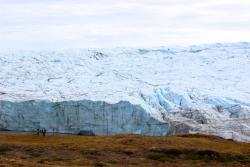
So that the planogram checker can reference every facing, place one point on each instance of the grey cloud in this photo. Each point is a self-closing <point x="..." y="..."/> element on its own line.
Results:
<point x="82" y="23"/>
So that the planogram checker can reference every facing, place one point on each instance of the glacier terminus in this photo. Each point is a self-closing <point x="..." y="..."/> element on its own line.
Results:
<point x="148" y="91"/>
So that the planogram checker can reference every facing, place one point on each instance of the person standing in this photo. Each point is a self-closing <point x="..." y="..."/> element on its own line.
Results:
<point x="38" y="131"/>
<point x="44" y="131"/>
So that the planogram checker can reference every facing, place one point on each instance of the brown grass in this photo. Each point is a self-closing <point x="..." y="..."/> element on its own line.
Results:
<point x="122" y="150"/>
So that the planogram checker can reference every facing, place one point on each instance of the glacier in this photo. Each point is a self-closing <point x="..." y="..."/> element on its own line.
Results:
<point x="149" y="91"/>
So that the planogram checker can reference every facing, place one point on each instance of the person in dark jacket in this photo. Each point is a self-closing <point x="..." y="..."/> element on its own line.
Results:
<point x="38" y="131"/>
<point x="44" y="131"/>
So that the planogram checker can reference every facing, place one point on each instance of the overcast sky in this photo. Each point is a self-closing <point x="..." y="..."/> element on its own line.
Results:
<point x="129" y="23"/>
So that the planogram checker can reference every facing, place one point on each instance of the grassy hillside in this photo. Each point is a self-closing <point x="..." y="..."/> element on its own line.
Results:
<point x="123" y="150"/>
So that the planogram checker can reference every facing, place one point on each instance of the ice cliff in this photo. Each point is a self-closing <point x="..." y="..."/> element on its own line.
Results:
<point x="151" y="91"/>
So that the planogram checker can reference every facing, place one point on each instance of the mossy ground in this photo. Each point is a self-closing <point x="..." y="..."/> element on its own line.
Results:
<point x="121" y="150"/>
